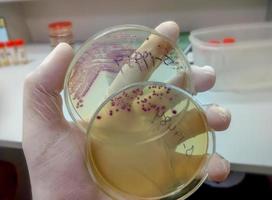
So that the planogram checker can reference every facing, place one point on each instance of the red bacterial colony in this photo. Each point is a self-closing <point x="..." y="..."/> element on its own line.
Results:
<point x="123" y="102"/>
<point x="79" y="103"/>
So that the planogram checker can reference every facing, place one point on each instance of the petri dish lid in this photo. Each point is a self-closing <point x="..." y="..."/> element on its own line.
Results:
<point x="114" y="59"/>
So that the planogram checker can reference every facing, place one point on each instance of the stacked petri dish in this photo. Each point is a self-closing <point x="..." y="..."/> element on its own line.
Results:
<point x="147" y="136"/>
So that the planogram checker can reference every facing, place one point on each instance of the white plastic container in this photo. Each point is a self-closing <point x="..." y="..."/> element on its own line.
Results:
<point x="245" y="64"/>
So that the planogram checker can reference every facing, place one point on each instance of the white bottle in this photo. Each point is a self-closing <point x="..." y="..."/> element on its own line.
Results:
<point x="10" y="52"/>
<point x="3" y="55"/>
<point x="20" y="51"/>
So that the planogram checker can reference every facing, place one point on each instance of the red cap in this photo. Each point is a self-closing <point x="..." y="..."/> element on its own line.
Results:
<point x="2" y="44"/>
<point x="60" y="24"/>
<point x="10" y="43"/>
<point x="19" y="42"/>
<point x="229" y="40"/>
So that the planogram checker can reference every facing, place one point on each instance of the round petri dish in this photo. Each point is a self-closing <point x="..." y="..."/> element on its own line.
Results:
<point x="149" y="140"/>
<point x="146" y="138"/>
<point x="115" y="58"/>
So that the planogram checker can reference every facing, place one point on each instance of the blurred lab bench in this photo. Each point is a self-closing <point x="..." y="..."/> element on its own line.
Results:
<point x="246" y="144"/>
<point x="11" y="95"/>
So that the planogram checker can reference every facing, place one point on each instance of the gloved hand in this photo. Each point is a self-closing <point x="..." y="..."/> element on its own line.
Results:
<point x="54" y="148"/>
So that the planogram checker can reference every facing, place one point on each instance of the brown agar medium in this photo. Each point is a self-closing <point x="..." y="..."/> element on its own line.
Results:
<point x="151" y="148"/>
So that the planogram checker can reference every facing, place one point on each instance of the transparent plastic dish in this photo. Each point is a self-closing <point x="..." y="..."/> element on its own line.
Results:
<point x="146" y="138"/>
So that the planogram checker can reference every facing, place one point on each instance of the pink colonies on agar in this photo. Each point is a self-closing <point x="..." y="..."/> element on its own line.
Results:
<point x="108" y="58"/>
<point x="143" y="98"/>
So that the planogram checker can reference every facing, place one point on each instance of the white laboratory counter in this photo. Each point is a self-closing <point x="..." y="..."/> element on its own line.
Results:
<point x="247" y="144"/>
<point x="11" y="95"/>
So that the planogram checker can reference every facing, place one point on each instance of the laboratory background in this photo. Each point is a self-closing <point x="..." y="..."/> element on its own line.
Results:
<point x="233" y="36"/>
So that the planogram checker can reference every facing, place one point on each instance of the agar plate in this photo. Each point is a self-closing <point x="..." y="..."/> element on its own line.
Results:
<point x="146" y="138"/>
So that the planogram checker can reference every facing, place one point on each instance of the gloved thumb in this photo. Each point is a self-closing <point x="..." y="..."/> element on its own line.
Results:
<point x="42" y="100"/>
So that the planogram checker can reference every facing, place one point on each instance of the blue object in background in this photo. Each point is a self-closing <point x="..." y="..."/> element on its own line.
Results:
<point x="3" y="30"/>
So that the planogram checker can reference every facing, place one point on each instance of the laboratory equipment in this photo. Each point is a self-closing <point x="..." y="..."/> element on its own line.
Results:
<point x="3" y="55"/>
<point x="149" y="141"/>
<point x="20" y="51"/>
<point x="146" y="138"/>
<point x="242" y="61"/>
<point x="60" y="31"/>
<point x="11" y="53"/>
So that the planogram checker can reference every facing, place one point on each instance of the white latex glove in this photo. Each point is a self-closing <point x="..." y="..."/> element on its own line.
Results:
<point x="54" y="148"/>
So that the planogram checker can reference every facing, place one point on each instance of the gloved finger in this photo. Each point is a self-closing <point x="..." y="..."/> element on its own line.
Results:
<point x="156" y="47"/>
<point x="191" y="123"/>
<point x="203" y="78"/>
<point x="218" y="117"/>
<point x="42" y="101"/>
<point x="184" y="122"/>
<point x="218" y="168"/>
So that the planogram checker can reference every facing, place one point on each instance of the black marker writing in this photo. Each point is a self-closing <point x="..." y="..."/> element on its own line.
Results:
<point x="188" y="151"/>
<point x="142" y="59"/>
